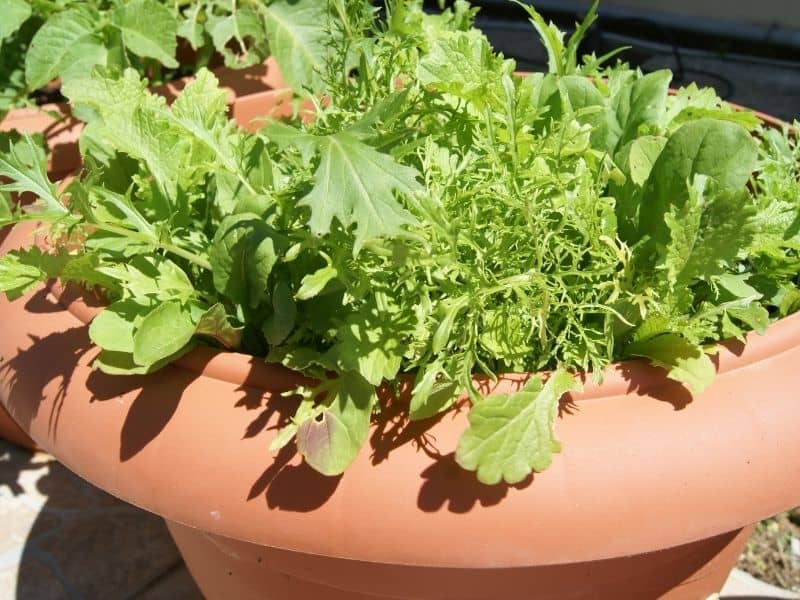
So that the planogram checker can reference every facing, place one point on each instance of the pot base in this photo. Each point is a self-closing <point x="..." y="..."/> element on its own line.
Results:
<point x="225" y="568"/>
<point x="9" y="430"/>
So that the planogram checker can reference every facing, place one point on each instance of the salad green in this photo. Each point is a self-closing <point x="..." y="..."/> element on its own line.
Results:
<point x="441" y="216"/>
<point x="41" y="40"/>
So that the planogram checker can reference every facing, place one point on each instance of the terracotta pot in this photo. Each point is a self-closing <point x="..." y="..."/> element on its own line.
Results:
<point x="649" y="497"/>
<point x="62" y="131"/>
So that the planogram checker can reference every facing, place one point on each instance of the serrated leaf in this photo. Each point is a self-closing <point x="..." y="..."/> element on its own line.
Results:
<point x="52" y="48"/>
<point x="355" y="184"/>
<point x="15" y="13"/>
<point x="148" y="29"/>
<point x="239" y="36"/>
<point x="368" y="344"/>
<point x="296" y="32"/>
<point x="24" y="163"/>
<point x="684" y="361"/>
<point x="331" y="441"/>
<point x="706" y="234"/>
<point x="510" y="435"/>
<point x="462" y="63"/>
<point x="164" y="331"/>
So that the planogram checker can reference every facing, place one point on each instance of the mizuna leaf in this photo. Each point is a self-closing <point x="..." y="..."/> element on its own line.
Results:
<point x="240" y="36"/>
<point x="24" y="163"/>
<point x="331" y="440"/>
<point x="52" y="49"/>
<point x="355" y="184"/>
<point x="685" y="362"/>
<point x="15" y="13"/>
<point x="510" y="435"/>
<point x="296" y="32"/>
<point x="148" y="29"/>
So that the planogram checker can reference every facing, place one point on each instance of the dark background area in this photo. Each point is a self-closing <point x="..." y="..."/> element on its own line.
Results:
<point x="750" y="61"/>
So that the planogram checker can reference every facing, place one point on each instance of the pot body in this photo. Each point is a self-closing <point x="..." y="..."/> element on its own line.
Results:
<point x="646" y="468"/>
<point x="225" y="568"/>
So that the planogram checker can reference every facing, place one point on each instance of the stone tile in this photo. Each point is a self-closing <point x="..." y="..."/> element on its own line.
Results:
<point x="40" y="583"/>
<point x="109" y="554"/>
<point x="176" y="585"/>
<point x="746" y="587"/>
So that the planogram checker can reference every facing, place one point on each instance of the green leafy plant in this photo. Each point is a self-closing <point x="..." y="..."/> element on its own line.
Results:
<point x="440" y="217"/>
<point x="41" y="41"/>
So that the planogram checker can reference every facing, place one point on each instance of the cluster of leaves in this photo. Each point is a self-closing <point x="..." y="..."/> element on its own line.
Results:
<point x="41" y="40"/>
<point x="440" y="216"/>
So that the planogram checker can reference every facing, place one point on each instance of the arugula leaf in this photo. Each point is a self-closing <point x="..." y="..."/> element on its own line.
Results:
<point x="242" y="30"/>
<point x="510" y="435"/>
<point x="24" y="163"/>
<point x="684" y="361"/>
<point x="216" y="324"/>
<point x="331" y="440"/>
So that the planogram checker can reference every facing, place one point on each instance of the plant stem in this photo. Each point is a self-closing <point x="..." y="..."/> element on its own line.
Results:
<point x="135" y="235"/>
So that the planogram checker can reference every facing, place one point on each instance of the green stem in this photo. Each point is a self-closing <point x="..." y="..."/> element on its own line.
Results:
<point x="135" y="235"/>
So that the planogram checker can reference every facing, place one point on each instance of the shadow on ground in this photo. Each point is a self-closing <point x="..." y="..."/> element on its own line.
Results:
<point x="63" y="538"/>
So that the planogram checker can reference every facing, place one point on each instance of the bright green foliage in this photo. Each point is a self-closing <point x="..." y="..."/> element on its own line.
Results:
<point x="42" y="41"/>
<point x="440" y="216"/>
<point x="510" y="435"/>
<point x="331" y="439"/>
<point x="148" y="29"/>
<point x="15" y="13"/>
<point x="298" y="39"/>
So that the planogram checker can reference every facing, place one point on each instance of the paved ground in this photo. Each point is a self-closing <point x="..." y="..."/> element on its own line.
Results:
<point x="63" y="539"/>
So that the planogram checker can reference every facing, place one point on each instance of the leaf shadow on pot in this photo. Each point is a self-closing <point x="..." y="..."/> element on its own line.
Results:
<point x="154" y="405"/>
<point x="288" y="483"/>
<point x="27" y="375"/>
<point x="651" y="381"/>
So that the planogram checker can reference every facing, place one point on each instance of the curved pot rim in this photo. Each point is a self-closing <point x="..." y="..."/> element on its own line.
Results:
<point x="239" y="368"/>
<point x="722" y="433"/>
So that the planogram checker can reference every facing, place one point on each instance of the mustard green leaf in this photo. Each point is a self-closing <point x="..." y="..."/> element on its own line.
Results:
<point x="510" y="435"/>
<point x="356" y="184"/>
<point x="15" y="13"/>
<point x="52" y="49"/>
<point x="296" y="31"/>
<point x="148" y="29"/>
